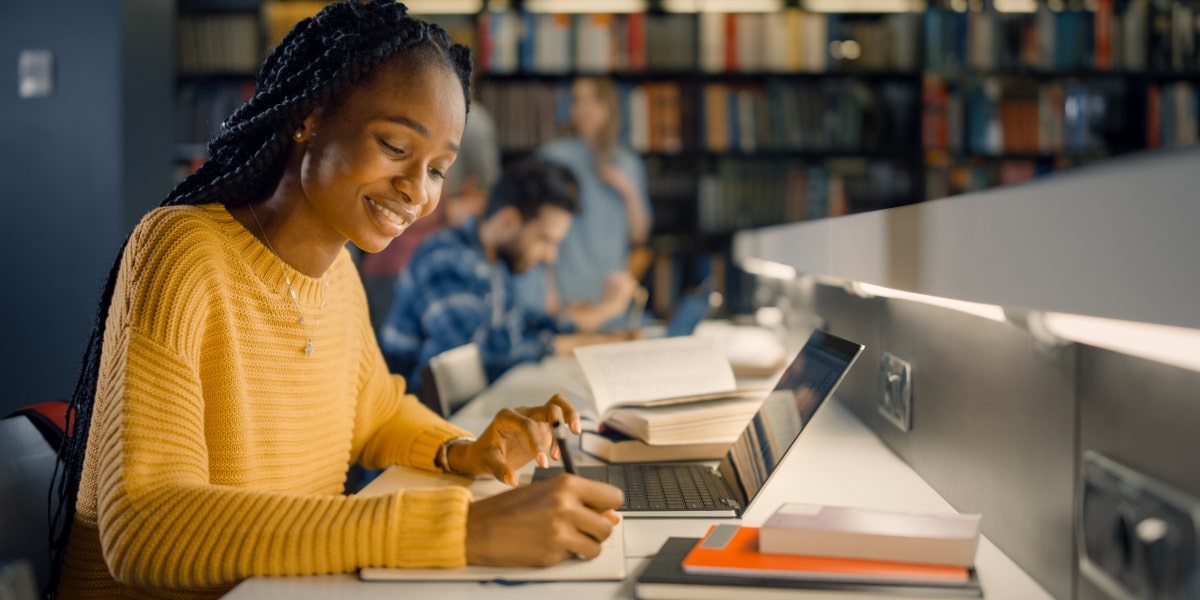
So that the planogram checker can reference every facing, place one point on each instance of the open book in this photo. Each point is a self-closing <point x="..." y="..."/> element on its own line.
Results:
<point x="676" y="390"/>
<point x="658" y="372"/>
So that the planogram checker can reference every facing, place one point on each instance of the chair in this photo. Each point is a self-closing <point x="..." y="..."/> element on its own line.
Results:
<point x="452" y="378"/>
<point x="29" y="441"/>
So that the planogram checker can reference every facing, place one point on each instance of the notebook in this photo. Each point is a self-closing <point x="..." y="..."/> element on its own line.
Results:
<point x="609" y="566"/>
<point x="697" y="490"/>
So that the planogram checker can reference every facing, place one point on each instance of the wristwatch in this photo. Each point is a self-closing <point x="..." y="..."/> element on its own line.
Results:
<point x="442" y="460"/>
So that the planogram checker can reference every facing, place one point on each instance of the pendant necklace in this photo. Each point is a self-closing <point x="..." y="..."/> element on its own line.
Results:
<point x="312" y="329"/>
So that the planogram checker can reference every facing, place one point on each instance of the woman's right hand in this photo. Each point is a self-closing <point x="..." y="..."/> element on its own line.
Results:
<point x="542" y="524"/>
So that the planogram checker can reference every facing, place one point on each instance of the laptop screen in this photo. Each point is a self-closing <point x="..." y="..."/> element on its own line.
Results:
<point x="811" y="378"/>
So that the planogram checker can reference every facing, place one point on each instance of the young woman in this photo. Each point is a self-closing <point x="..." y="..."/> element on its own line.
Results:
<point x="592" y="269"/>
<point x="232" y="374"/>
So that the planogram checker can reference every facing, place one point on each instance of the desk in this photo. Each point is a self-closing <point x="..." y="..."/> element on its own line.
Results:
<point x="837" y="460"/>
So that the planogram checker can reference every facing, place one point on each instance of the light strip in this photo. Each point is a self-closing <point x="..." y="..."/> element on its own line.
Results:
<point x="768" y="268"/>
<point x="987" y="311"/>
<point x="444" y="7"/>
<point x="1016" y="6"/>
<point x="1178" y="346"/>
<point x="736" y="6"/>
<point x="585" y="6"/>
<point x="868" y="6"/>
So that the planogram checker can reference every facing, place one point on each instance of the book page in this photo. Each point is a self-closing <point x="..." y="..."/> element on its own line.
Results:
<point x="646" y="370"/>
<point x="610" y="565"/>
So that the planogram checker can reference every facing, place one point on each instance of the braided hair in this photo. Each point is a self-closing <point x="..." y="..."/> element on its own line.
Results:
<point x="316" y="63"/>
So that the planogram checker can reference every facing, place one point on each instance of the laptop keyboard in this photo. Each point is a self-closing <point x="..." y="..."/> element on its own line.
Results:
<point x="664" y="487"/>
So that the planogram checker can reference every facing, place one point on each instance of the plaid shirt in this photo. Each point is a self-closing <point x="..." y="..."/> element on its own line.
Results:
<point x="450" y="295"/>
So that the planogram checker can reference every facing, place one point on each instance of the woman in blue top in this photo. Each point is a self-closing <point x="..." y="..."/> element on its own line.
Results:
<point x="615" y="210"/>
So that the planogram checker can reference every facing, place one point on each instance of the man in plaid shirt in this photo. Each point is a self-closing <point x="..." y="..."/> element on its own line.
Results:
<point x="458" y="286"/>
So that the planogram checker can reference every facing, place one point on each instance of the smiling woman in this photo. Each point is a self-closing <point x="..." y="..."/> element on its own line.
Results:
<point x="232" y="374"/>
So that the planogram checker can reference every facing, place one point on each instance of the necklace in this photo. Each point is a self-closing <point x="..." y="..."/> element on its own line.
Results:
<point x="312" y="329"/>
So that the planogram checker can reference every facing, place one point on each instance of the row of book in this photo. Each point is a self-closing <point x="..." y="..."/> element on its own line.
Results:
<point x="790" y="40"/>
<point x="844" y="115"/>
<point x="511" y="41"/>
<point x="1002" y="115"/>
<point x="743" y="193"/>
<point x="944" y="177"/>
<point x="1172" y="113"/>
<point x="1154" y="35"/>
<point x="1145" y="35"/>
<point x="832" y="114"/>
<point x="796" y="41"/>
<point x="200" y="108"/>
<point x="825" y="551"/>
<point x="219" y="43"/>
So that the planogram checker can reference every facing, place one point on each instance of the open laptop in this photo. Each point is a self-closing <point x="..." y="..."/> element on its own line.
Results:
<point x="696" y="490"/>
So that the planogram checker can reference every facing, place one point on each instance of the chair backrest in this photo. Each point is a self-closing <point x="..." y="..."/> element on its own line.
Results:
<point x="454" y="377"/>
<point x="26" y="467"/>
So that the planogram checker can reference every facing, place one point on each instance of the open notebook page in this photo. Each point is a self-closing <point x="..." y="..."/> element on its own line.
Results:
<point x="609" y="566"/>
<point x="644" y="371"/>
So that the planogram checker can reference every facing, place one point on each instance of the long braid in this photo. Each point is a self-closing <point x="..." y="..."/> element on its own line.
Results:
<point x="314" y="65"/>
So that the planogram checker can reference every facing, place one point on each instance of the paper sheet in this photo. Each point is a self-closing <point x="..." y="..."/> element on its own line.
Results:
<point x="609" y="566"/>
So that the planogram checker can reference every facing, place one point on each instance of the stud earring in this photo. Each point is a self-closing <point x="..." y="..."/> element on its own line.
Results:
<point x="298" y="135"/>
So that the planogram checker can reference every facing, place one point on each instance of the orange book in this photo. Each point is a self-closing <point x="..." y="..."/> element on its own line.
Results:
<point x="733" y="550"/>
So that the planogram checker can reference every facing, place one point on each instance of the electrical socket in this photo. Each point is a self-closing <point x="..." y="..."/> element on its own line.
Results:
<point x="895" y="390"/>
<point x="1136" y="536"/>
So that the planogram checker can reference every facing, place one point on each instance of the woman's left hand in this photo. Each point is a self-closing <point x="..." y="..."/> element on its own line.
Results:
<point x="515" y="436"/>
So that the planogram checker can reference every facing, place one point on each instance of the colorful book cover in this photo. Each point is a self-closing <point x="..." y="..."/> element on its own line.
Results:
<point x="733" y="550"/>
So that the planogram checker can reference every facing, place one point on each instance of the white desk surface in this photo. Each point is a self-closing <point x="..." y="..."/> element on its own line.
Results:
<point x="837" y="460"/>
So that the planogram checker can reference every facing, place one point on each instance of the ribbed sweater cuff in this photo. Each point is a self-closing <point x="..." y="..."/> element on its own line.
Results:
<point x="433" y="528"/>
<point x="425" y="446"/>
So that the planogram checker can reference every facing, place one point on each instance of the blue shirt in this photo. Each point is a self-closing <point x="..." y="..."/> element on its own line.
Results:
<point x="598" y="241"/>
<point x="450" y="295"/>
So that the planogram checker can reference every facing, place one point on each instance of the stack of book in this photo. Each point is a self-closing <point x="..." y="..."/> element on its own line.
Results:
<point x="822" y="551"/>
<point x="664" y="399"/>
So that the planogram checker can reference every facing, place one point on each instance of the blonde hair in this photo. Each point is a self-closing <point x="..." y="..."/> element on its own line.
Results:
<point x="606" y="93"/>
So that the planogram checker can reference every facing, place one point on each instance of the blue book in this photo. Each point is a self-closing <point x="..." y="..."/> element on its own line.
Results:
<point x="526" y="42"/>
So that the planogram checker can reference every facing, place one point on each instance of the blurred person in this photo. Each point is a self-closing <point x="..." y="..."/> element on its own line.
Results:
<point x="615" y="213"/>
<point x="459" y="287"/>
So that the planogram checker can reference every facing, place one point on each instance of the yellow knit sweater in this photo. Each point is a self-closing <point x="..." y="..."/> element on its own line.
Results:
<point x="218" y="449"/>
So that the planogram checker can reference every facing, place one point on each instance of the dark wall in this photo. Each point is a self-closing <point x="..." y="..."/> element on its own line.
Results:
<point x="993" y="419"/>
<point x="67" y="176"/>
<point x="1142" y="414"/>
<point x="1001" y="417"/>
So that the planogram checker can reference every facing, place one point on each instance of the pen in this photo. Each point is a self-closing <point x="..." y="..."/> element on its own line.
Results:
<point x="568" y="466"/>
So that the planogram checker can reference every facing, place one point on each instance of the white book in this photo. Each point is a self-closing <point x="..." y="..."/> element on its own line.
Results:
<point x="657" y="372"/>
<point x="615" y="447"/>
<point x="862" y="533"/>
<point x="639" y="119"/>
<point x="712" y="42"/>
<point x="715" y="422"/>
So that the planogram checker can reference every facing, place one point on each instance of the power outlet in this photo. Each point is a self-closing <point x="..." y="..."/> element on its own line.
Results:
<point x="1136" y="536"/>
<point x="895" y="390"/>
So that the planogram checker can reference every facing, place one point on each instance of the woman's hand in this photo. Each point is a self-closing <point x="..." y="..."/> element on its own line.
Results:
<point x="515" y="436"/>
<point x="612" y="175"/>
<point x="542" y="524"/>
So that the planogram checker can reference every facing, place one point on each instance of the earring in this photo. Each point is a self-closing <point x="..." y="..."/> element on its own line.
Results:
<point x="299" y="134"/>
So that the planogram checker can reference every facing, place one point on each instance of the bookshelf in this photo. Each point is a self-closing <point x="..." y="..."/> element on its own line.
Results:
<point x="218" y="51"/>
<point x="754" y="119"/>
<point x="1010" y="96"/>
